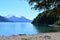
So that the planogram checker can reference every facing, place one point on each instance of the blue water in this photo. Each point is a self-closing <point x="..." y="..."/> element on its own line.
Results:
<point x="14" y="28"/>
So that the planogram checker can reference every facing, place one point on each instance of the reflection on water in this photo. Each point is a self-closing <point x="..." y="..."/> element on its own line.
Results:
<point x="14" y="28"/>
<point x="45" y="29"/>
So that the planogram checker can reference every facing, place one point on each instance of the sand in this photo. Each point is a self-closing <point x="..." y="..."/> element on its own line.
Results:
<point x="41" y="36"/>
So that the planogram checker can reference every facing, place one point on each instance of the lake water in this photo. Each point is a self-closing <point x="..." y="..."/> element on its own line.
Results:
<point x="14" y="28"/>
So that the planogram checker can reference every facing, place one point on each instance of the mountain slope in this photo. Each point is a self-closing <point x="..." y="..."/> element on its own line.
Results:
<point x="3" y="19"/>
<point x="20" y="19"/>
<point x="48" y="17"/>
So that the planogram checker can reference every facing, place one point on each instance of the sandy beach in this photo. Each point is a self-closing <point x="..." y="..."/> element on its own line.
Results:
<point x="41" y="36"/>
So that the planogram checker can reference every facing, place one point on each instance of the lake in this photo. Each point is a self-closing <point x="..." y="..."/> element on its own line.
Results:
<point x="15" y="28"/>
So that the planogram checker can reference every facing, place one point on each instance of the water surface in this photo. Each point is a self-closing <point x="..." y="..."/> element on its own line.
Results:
<point x="15" y="28"/>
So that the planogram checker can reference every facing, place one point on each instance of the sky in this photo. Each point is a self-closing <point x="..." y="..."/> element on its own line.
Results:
<point x="17" y="8"/>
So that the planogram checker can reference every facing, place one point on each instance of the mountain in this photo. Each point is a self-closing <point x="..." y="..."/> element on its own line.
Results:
<point x="50" y="17"/>
<point x="14" y="19"/>
<point x="19" y="19"/>
<point x="3" y="19"/>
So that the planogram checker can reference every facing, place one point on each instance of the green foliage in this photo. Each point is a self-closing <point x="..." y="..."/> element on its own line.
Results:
<point x="51" y="14"/>
<point x="48" y="17"/>
<point x="57" y="22"/>
<point x="43" y="4"/>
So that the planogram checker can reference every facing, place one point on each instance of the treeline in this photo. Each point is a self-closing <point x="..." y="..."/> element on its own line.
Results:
<point x="48" y="17"/>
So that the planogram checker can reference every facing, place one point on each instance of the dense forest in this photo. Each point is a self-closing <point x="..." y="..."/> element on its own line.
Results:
<point x="51" y="13"/>
<point x="48" y="17"/>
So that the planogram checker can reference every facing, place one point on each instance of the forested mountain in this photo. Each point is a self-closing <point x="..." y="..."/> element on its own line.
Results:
<point x="48" y="17"/>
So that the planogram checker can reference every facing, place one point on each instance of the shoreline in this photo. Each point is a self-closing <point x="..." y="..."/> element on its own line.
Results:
<point x="54" y="26"/>
<point x="40" y="36"/>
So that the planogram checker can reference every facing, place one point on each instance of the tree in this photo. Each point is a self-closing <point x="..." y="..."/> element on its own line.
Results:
<point x="51" y="12"/>
<point x="44" y="4"/>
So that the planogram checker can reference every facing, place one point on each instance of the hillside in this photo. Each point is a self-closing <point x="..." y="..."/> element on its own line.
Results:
<point x="14" y="19"/>
<point x="3" y="19"/>
<point x="19" y="19"/>
<point x="48" y="17"/>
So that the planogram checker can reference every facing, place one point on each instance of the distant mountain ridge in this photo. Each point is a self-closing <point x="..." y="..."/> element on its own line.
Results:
<point x="19" y="19"/>
<point x="14" y="19"/>
<point x="3" y="19"/>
